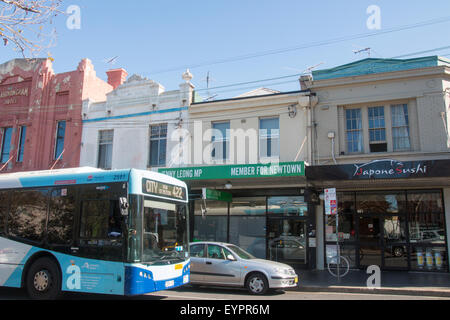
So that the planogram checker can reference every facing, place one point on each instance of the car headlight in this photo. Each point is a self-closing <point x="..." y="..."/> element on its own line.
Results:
<point x="283" y="271"/>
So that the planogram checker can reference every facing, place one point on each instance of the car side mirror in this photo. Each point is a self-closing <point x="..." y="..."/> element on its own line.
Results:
<point x="230" y="257"/>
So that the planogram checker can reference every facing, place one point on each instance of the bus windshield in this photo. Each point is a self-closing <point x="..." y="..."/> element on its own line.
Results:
<point x="165" y="239"/>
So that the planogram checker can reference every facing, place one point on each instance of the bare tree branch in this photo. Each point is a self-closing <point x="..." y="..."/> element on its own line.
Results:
<point x="25" y="24"/>
<point x="19" y="5"/>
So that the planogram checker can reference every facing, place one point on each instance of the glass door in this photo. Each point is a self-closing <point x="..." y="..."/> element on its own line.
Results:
<point x="287" y="240"/>
<point x="383" y="242"/>
<point x="370" y="252"/>
<point x="395" y="242"/>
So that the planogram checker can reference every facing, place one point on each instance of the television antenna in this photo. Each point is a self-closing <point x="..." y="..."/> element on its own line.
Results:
<point x="367" y="50"/>
<point x="307" y="70"/>
<point x="112" y="60"/>
<point x="208" y="80"/>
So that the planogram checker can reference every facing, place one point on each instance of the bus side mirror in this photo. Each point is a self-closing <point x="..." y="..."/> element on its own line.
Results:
<point x="124" y="206"/>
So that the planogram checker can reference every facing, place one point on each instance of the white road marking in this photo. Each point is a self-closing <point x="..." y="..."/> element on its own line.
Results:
<point x="371" y="295"/>
<point x="183" y="297"/>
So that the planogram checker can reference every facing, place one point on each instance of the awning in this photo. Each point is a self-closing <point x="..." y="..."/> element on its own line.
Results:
<point x="241" y="176"/>
<point x="382" y="174"/>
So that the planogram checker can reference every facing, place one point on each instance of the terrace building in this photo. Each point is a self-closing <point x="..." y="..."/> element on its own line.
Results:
<point x="40" y="113"/>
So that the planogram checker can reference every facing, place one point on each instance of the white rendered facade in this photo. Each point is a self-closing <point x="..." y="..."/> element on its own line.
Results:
<point x="126" y="119"/>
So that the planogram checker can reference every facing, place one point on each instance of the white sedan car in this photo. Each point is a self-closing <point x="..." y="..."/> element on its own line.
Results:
<point x="223" y="264"/>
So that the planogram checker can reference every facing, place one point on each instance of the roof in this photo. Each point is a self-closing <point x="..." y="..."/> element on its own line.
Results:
<point x="60" y="177"/>
<point x="258" y="92"/>
<point x="374" y="66"/>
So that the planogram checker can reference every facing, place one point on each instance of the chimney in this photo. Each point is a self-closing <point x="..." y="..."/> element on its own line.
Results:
<point x="305" y="82"/>
<point x="117" y="77"/>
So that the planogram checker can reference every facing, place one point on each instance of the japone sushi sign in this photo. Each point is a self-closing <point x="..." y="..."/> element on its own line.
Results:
<point x="381" y="169"/>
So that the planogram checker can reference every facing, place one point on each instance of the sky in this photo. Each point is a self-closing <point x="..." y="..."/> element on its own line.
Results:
<point x="241" y="41"/>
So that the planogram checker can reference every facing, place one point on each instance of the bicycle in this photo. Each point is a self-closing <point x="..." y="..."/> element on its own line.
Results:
<point x="338" y="265"/>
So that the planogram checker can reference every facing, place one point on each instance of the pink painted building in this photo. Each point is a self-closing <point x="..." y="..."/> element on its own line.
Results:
<point x="40" y="113"/>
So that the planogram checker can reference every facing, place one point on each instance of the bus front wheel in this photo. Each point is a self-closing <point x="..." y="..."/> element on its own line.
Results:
<point x="43" y="280"/>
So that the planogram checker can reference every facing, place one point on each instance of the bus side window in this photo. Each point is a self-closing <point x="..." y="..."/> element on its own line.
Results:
<point x="100" y="220"/>
<point x="115" y="219"/>
<point x="61" y="216"/>
<point x="94" y="219"/>
<point x="28" y="214"/>
<point x="4" y="206"/>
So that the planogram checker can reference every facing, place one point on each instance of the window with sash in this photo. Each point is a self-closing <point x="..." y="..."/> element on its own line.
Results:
<point x="105" y="148"/>
<point x="158" y="145"/>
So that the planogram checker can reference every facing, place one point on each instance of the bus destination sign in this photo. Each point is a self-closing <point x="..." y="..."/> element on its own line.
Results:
<point x="163" y="190"/>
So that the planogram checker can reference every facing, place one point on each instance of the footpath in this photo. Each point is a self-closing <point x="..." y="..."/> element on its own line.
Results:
<point x="392" y="282"/>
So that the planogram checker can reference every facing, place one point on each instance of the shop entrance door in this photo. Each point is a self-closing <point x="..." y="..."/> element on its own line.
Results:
<point x="287" y="239"/>
<point x="370" y="250"/>
<point x="382" y="242"/>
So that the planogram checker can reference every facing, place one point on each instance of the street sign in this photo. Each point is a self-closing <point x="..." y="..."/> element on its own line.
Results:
<point x="209" y="194"/>
<point x="330" y="202"/>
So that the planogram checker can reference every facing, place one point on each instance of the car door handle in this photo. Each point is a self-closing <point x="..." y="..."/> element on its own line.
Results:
<point x="207" y="262"/>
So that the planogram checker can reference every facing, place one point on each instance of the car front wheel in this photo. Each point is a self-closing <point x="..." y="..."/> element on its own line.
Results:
<point x="257" y="284"/>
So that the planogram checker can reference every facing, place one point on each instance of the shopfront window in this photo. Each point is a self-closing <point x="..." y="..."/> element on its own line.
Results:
<point x="347" y="229"/>
<point x="211" y="221"/>
<point x="288" y="206"/>
<point x="287" y="240"/>
<point x="426" y="218"/>
<point x="380" y="202"/>
<point x="347" y="250"/>
<point x="248" y="225"/>
<point x="249" y="233"/>
<point x="392" y="229"/>
<point x="248" y="206"/>
<point x="427" y="230"/>
<point x="346" y="209"/>
<point x="425" y="258"/>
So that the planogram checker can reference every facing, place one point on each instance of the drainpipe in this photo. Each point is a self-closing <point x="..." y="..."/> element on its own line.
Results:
<point x="313" y="100"/>
<point x="305" y="84"/>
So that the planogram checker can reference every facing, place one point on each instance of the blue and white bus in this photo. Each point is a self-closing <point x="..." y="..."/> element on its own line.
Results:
<point x="93" y="231"/>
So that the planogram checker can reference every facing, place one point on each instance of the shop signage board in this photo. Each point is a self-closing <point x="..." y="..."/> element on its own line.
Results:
<point x="282" y="169"/>
<point x="381" y="169"/>
<point x="15" y="94"/>
<point x="217" y="195"/>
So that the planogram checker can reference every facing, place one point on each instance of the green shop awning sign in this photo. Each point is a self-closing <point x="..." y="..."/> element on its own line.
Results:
<point x="282" y="169"/>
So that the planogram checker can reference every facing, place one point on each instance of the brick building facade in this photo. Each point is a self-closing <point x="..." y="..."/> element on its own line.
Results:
<point x="40" y="113"/>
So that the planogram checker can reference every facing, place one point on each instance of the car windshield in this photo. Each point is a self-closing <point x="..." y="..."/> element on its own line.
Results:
<point x="240" y="252"/>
